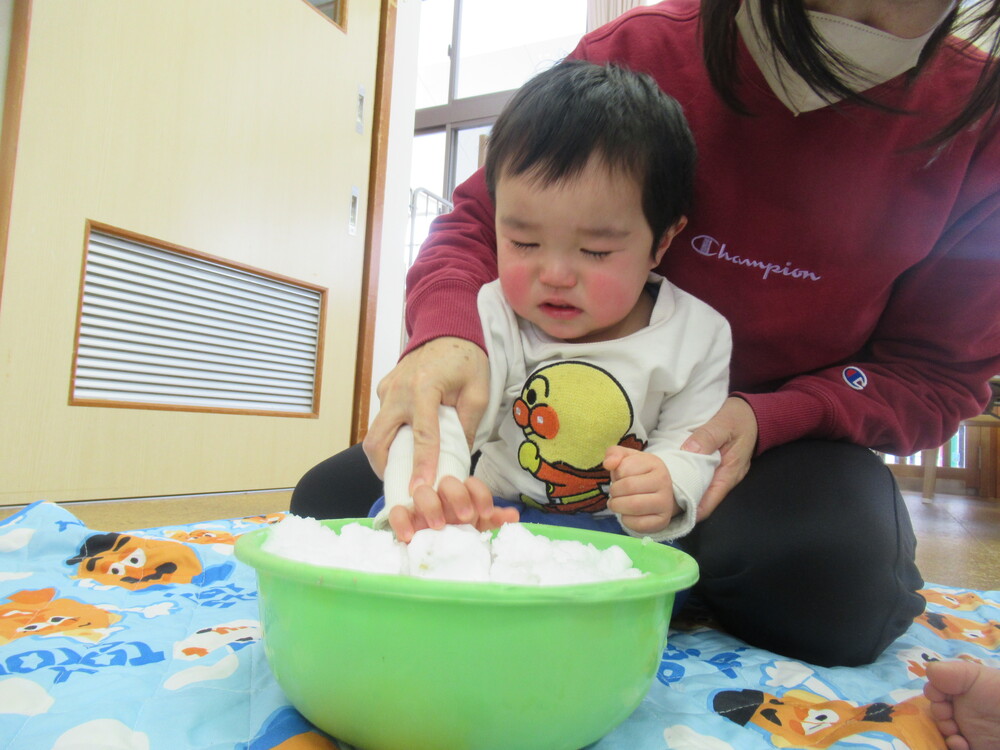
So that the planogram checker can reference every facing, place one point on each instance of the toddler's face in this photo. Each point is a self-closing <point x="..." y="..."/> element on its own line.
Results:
<point x="574" y="256"/>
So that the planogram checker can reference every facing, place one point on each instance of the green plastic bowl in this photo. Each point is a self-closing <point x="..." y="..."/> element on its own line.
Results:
<point x="385" y="662"/>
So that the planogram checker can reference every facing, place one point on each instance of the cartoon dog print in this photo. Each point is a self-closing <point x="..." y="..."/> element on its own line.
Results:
<point x="962" y="601"/>
<point x="134" y="562"/>
<point x="799" y="719"/>
<point x="917" y="659"/>
<point x="214" y="649"/>
<point x="203" y="536"/>
<point x="954" y="628"/>
<point x="234" y="635"/>
<point x="267" y="518"/>
<point x="40" y="613"/>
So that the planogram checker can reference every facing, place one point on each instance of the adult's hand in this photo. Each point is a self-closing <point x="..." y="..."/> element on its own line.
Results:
<point x="732" y="432"/>
<point x="446" y="370"/>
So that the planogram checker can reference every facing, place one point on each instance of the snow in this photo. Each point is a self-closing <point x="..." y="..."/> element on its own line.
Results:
<point x="454" y="553"/>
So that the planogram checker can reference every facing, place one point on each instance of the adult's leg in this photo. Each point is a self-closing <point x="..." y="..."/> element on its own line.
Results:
<point x="342" y="486"/>
<point x="811" y="555"/>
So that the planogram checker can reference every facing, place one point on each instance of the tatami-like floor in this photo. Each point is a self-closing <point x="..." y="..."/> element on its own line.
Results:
<point x="958" y="537"/>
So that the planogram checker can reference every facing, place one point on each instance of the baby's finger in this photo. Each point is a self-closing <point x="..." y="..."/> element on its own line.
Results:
<point x="427" y="505"/>
<point x="455" y="501"/>
<point x="482" y="498"/>
<point x="402" y="523"/>
<point x="615" y="456"/>
<point x="499" y="516"/>
<point x="639" y="504"/>
<point x="634" y="484"/>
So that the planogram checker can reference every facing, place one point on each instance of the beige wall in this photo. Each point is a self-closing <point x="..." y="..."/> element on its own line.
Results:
<point x="227" y="127"/>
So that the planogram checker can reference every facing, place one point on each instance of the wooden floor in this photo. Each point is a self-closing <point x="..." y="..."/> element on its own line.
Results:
<point x="129" y="515"/>
<point x="958" y="540"/>
<point x="958" y="537"/>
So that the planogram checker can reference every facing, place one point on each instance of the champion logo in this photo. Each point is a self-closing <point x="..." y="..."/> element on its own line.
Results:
<point x="710" y="247"/>
<point x="855" y="377"/>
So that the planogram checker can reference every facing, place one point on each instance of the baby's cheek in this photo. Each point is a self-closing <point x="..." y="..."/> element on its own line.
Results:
<point x="610" y="296"/>
<point x="516" y="284"/>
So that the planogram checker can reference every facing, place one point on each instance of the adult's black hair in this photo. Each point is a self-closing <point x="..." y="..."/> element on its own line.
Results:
<point x="575" y="110"/>
<point x="787" y="25"/>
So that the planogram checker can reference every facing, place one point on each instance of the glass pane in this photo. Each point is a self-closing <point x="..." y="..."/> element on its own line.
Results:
<point x="426" y="182"/>
<point x="503" y="44"/>
<point x="332" y="9"/>
<point x="469" y="151"/>
<point x="427" y="165"/>
<point x="433" y="60"/>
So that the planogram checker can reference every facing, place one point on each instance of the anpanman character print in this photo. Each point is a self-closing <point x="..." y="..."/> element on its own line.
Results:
<point x="570" y="414"/>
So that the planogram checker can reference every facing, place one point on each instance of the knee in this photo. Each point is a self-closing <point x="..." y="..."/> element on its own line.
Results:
<point x="822" y="604"/>
<point x="812" y="555"/>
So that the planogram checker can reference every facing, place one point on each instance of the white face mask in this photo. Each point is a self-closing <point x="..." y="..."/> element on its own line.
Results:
<point x="878" y="55"/>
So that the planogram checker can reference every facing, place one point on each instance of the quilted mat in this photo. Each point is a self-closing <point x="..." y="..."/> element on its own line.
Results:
<point x="150" y="640"/>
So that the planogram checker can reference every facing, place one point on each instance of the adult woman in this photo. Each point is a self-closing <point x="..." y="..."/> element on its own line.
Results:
<point x="846" y="222"/>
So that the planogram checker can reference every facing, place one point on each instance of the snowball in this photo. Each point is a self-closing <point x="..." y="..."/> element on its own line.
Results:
<point x="455" y="553"/>
<point x="522" y="557"/>
<point x="356" y="547"/>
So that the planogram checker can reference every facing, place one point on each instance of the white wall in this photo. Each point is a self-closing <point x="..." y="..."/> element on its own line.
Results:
<point x="392" y="271"/>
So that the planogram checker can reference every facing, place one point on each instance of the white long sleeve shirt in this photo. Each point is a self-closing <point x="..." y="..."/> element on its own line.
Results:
<point x="555" y="406"/>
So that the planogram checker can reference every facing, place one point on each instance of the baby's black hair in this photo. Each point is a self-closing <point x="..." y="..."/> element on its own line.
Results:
<point x="576" y="109"/>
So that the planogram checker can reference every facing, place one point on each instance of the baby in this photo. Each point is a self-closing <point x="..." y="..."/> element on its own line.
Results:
<point x="965" y="703"/>
<point x="599" y="368"/>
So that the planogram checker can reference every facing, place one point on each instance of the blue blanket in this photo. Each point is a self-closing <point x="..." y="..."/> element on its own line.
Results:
<point x="150" y="640"/>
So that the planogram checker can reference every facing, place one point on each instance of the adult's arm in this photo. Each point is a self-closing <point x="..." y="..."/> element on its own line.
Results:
<point x="925" y="369"/>
<point x="458" y="257"/>
<point x="927" y="362"/>
<point x="445" y="360"/>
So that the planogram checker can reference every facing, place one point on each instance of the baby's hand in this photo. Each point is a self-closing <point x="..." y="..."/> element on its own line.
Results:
<point x="642" y="492"/>
<point x="454" y="501"/>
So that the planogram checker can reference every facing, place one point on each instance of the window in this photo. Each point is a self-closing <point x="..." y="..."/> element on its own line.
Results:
<point x="427" y="158"/>
<point x="426" y="201"/>
<point x="163" y="327"/>
<point x="470" y="150"/>
<point x="472" y="56"/>
<point x="434" y="52"/>
<point x="335" y="10"/>
<point x="502" y="45"/>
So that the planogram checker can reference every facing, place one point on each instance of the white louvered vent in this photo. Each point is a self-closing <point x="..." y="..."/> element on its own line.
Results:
<point x="167" y="329"/>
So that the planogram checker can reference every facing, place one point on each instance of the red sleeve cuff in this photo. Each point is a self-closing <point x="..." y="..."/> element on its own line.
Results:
<point x="785" y="416"/>
<point x="450" y="311"/>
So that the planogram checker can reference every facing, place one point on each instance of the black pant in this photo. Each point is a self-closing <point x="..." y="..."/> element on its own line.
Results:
<point x="810" y="556"/>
